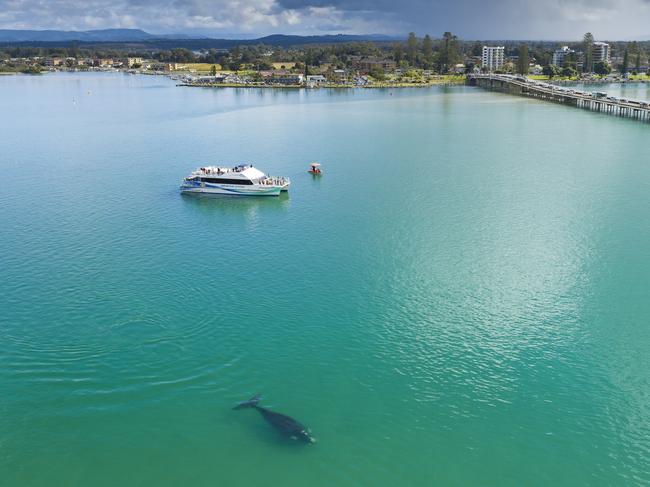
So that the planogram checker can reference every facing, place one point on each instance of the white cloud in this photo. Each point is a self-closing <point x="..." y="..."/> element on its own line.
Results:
<point x="471" y="19"/>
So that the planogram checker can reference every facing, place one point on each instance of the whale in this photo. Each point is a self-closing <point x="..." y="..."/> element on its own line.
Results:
<point x="286" y="425"/>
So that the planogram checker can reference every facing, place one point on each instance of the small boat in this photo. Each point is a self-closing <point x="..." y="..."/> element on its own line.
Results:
<point x="314" y="168"/>
<point x="242" y="180"/>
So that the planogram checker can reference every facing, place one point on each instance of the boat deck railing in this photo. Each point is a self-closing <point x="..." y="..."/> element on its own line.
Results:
<point x="274" y="181"/>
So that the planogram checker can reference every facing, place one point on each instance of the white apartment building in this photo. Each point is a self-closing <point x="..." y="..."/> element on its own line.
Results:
<point x="602" y="52"/>
<point x="560" y="54"/>
<point x="493" y="57"/>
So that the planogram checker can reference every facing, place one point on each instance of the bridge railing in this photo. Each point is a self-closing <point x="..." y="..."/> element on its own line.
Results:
<point x="550" y="89"/>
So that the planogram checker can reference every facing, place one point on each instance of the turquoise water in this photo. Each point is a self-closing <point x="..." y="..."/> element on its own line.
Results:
<point x="631" y="91"/>
<point x="461" y="299"/>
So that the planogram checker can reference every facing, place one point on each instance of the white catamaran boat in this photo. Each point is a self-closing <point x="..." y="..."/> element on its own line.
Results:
<point x="243" y="180"/>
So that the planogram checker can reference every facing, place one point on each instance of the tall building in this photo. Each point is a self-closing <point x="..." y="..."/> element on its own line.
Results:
<point x="493" y="57"/>
<point x="602" y="52"/>
<point x="559" y="55"/>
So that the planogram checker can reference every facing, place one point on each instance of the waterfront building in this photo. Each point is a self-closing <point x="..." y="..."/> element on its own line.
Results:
<point x="52" y="61"/>
<point x="361" y="80"/>
<point x="129" y="62"/>
<point x="368" y="64"/>
<point x="559" y="55"/>
<point x="339" y="76"/>
<point x="164" y="66"/>
<point x="219" y="78"/>
<point x="315" y="79"/>
<point x="285" y="79"/>
<point x="104" y="63"/>
<point x="602" y="52"/>
<point x="493" y="57"/>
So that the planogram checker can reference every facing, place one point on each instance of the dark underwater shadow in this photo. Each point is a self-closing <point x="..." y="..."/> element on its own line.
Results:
<point x="265" y="434"/>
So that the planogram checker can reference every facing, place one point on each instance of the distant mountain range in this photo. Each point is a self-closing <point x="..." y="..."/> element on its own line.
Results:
<point x="140" y="36"/>
<point x="104" y="35"/>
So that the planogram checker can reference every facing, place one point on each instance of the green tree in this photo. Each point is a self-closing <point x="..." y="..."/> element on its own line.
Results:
<point x="427" y="50"/>
<point x="412" y="48"/>
<point x="588" y="49"/>
<point x="569" y="72"/>
<point x="398" y="52"/>
<point x="427" y="47"/>
<point x="626" y="61"/>
<point x="213" y="70"/>
<point x="378" y="74"/>
<point x="524" y="60"/>
<point x="448" y="53"/>
<point x="550" y="70"/>
<point x="34" y="69"/>
<point x="570" y="61"/>
<point x="602" y="68"/>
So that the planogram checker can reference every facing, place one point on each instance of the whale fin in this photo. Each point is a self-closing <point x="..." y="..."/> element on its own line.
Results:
<point x="251" y="403"/>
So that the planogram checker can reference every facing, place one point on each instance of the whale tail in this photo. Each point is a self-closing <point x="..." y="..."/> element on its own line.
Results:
<point x="251" y="403"/>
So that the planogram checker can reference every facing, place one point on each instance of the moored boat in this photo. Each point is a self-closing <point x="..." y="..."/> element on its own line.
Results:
<point x="315" y="169"/>
<point x="242" y="180"/>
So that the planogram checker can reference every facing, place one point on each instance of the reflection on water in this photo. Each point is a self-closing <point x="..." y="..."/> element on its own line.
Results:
<point x="247" y="207"/>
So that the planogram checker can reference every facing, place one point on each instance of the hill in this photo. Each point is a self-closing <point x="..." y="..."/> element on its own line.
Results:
<point x="52" y="38"/>
<point x="104" y="35"/>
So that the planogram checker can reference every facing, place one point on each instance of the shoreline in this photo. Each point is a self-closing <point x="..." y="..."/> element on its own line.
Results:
<point x="324" y="86"/>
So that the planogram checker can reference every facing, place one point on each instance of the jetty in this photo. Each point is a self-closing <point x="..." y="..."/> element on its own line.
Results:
<point x="596" y="101"/>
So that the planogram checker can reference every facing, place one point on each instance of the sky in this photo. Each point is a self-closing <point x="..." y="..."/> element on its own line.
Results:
<point x="469" y="19"/>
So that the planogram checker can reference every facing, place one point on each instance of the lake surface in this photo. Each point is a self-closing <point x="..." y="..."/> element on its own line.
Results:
<point x="463" y="298"/>
<point x="631" y="91"/>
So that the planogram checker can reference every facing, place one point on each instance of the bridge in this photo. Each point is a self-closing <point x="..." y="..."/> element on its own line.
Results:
<point x="596" y="101"/>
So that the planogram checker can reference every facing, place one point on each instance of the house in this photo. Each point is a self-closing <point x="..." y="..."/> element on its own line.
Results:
<point x="219" y="78"/>
<point x="104" y="63"/>
<point x="361" y="81"/>
<point x="369" y="64"/>
<point x="285" y="79"/>
<point x="339" y="76"/>
<point x="164" y="66"/>
<point x="51" y="62"/>
<point x="129" y="62"/>
<point x="315" y="79"/>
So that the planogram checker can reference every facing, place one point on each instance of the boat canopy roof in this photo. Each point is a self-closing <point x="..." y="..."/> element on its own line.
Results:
<point x="314" y="164"/>
<point x="241" y="171"/>
<point x="252" y="173"/>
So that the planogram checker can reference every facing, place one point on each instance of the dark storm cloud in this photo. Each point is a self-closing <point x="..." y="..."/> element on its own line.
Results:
<point x="470" y="19"/>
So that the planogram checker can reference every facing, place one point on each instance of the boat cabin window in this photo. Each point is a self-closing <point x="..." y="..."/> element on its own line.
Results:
<point x="227" y="181"/>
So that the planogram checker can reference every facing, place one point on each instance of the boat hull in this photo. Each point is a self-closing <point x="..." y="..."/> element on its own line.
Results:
<point x="233" y="191"/>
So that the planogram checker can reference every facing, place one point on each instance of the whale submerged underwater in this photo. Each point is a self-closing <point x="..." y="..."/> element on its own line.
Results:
<point x="281" y="422"/>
